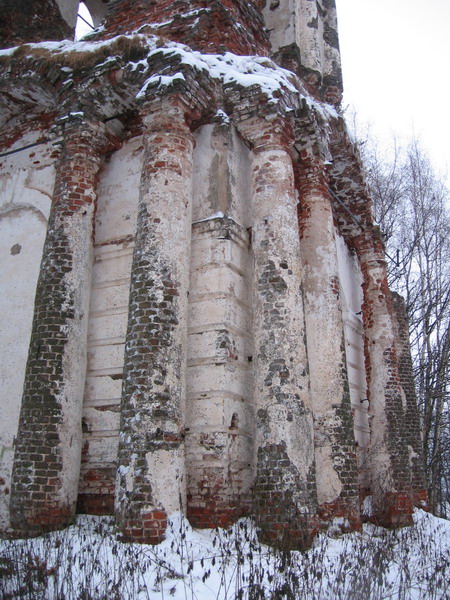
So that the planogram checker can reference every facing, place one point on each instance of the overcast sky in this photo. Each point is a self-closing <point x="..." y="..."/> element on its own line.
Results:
<point x="396" y="59"/>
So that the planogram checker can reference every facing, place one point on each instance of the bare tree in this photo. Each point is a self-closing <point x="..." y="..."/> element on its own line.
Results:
<point x="411" y="205"/>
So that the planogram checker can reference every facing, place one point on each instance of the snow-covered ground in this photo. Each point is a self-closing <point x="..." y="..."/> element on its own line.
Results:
<point x="86" y="562"/>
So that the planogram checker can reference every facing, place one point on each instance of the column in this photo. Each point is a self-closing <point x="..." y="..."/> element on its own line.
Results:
<point x="150" y="480"/>
<point x="285" y="493"/>
<point x="335" y="452"/>
<point x="48" y="445"/>
<point x="411" y="424"/>
<point x="387" y="452"/>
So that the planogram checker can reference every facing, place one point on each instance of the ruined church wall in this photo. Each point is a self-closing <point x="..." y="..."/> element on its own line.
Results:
<point x="198" y="313"/>
<point x="219" y="355"/>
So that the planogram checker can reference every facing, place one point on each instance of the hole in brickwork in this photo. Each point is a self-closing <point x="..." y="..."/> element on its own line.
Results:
<point x="234" y="421"/>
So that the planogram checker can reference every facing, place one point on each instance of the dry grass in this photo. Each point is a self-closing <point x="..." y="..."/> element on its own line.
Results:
<point x="87" y="562"/>
<point x="124" y="48"/>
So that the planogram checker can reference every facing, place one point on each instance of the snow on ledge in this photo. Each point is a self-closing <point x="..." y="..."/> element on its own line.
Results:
<point x="231" y="69"/>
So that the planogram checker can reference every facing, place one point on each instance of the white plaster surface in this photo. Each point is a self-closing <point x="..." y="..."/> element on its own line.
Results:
<point x="232" y="378"/>
<point x="101" y="445"/>
<point x="301" y="22"/>
<point x="116" y="215"/>
<point x="329" y="485"/>
<point x="221" y="174"/>
<point x="219" y="416"/>
<point x="310" y="39"/>
<point x="205" y="346"/>
<point x="79" y="231"/>
<point x="212" y="310"/>
<point x="118" y="194"/>
<point x="165" y="473"/>
<point x="219" y="280"/>
<point x="18" y="275"/>
<point x="352" y="297"/>
<point x="24" y="207"/>
<point x="282" y="22"/>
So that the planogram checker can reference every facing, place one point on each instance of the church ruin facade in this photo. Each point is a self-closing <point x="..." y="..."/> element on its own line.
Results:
<point x="195" y="307"/>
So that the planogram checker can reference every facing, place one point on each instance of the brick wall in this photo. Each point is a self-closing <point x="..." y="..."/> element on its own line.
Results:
<point x="337" y="477"/>
<point x="230" y="25"/>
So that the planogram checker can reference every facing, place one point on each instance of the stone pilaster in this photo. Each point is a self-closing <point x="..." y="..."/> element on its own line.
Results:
<point x="48" y="444"/>
<point x="220" y="419"/>
<point x="336" y="464"/>
<point x="285" y="492"/>
<point x="150" y="478"/>
<point x="388" y="453"/>
<point x="219" y="412"/>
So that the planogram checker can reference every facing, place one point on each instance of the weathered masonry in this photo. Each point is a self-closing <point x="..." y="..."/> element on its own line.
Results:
<point x="195" y="309"/>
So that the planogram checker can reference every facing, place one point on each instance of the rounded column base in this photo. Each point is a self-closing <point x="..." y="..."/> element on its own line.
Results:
<point x="204" y="514"/>
<point x="396" y="510"/>
<point x="283" y="533"/>
<point x="149" y="528"/>
<point x="40" y="521"/>
<point x="341" y="508"/>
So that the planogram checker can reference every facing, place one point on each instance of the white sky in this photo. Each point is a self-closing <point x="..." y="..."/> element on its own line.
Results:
<point x="82" y="28"/>
<point x="396" y="59"/>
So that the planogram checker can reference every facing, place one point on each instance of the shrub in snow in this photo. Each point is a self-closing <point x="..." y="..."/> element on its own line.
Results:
<point x="85" y="562"/>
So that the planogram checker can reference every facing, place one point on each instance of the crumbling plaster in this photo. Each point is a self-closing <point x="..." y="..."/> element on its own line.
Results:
<point x="308" y="26"/>
<point x="25" y="196"/>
